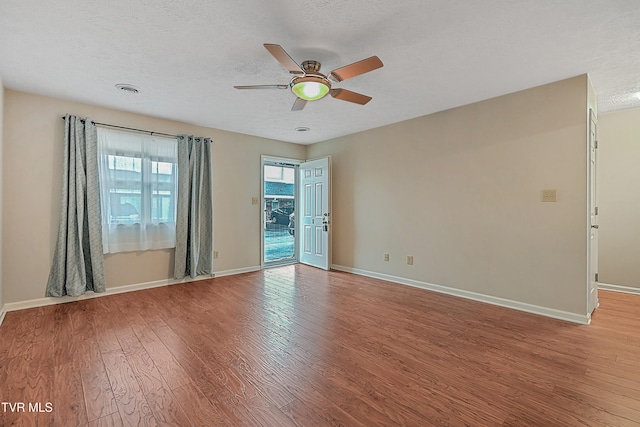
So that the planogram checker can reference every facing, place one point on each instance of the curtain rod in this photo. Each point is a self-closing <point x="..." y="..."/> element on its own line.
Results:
<point x="133" y="129"/>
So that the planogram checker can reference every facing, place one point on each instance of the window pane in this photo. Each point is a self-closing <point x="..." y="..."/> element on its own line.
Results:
<point x="272" y="173"/>
<point x="125" y="163"/>
<point x="288" y="175"/>
<point x="125" y="168"/>
<point x="162" y="168"/>
<point x="125" y="206"/>
<point x="163" y="178"/>
<point x="163" y="207"/>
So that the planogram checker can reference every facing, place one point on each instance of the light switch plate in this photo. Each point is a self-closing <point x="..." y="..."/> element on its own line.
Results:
<point x="549" y="196"/>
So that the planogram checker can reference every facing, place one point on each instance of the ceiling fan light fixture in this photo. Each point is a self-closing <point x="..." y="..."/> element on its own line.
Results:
<point x="310" y="88"/>
<point x="309" y="84"/>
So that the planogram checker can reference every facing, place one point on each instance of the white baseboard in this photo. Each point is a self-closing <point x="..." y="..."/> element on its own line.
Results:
<point x="41" y="302"/>
<point x="618" y="288"/>
<point x="3" y="311"/>
<point x="502" y="302"/>
<point x="238" y="271"/>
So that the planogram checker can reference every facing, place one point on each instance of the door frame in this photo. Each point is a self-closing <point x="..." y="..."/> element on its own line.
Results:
<point x="592" y="216"/>
<point x="266" y="159"/>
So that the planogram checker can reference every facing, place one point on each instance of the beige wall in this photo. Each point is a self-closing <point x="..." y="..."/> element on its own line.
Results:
<point x="1" y="178"/>
<point x="460" y="191"/>
<point x="619" y="198"/>
<point x="32" y="165"/>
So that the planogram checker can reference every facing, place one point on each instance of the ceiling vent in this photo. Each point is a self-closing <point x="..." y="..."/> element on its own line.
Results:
<point x="127" y="88"/>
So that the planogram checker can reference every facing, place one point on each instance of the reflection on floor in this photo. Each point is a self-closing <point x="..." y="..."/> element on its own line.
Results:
<point x="278" y="243"/>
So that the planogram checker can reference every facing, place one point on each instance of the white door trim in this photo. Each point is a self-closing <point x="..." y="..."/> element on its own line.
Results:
<point x="592" y="220"/>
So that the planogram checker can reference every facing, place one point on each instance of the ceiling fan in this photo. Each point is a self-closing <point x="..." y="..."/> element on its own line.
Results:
<point x="309" y="84"/>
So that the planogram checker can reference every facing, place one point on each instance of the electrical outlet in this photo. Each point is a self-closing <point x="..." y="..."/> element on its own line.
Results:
<point x="386" y="257"/>
<point x="255" y="200"/>
<point x="549" y="196"/>
<point x="216" y="255"/>
<point x="410" y="259"/>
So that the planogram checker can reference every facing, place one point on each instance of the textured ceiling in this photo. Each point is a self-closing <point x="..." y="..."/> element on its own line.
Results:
<point x="186" y="56"/>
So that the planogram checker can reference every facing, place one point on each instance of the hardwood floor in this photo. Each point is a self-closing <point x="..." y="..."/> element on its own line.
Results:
<point x="297" y="346"/>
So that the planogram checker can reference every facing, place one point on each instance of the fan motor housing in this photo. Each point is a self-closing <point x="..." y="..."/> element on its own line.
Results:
<point x="311" y="67"/>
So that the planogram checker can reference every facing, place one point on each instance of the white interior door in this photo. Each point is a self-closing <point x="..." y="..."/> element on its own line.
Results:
<point x="593" y="245"/>
<point x="314" y="210"/>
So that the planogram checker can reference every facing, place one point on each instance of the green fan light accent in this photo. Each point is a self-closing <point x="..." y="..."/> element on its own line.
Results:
<point x="310" y="90"/>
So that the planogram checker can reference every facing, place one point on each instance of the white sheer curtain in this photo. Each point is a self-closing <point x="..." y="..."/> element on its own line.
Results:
<point x="138" y="187"/>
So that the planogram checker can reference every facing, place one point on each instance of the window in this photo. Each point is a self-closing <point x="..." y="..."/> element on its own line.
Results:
<point x="138" y="189"/>
<point x="279" y="173"/>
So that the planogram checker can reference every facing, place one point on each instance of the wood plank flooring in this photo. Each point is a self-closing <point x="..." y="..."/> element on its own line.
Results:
<point x="297" y="346"/>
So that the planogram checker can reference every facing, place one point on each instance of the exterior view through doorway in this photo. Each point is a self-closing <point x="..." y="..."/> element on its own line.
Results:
<point x="279" y="204"/>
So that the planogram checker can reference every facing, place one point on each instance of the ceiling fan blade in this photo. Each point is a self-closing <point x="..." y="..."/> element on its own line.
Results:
<point x="347" y="95"/>
<point x="283" y="57"/>
<point x="355" y="69"/>
<point x="299" y="104"/>
<point x="263" y="87"/>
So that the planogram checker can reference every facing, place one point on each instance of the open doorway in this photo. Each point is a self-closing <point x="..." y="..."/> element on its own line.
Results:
<point x="279" y="182"/>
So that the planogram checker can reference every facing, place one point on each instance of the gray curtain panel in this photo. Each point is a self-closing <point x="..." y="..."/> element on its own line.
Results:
<point x="77" y="264"/>
<point x="194" y="216"/>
